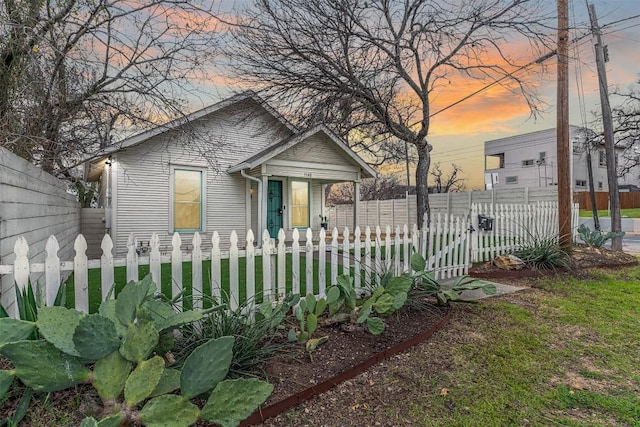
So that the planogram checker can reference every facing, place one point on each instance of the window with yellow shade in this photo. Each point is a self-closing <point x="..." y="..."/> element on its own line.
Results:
<point x="299" y="204"/>
<point x="187" y="200"/>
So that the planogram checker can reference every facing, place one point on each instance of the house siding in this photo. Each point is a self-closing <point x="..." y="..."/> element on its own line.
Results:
<point x="143" y="172"/>
<point x="317" y="148"/>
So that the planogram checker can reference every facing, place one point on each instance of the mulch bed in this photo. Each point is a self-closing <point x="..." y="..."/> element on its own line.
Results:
<point x="582" y="257"/>
<point x="299" y="376"/>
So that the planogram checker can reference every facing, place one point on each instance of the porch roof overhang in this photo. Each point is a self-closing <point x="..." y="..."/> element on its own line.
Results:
<point x="266" y="157"/>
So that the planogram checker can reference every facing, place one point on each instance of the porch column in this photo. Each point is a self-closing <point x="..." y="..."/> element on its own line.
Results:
<point x="356" y="204"/>
<point x="263" y="221"/>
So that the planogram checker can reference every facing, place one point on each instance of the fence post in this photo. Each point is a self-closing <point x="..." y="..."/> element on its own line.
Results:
<point x="216" y="276"/>
<point x="322" y="263"/>
<point x="196" y="272"/>
<point x="282" y="265"/>
<point x="234" y="287"/>
<point x="81" y="274"/>
<point x="367" y="256"/>
<point x="52" y="270"/>
<point x="295" y="257"/>
<point x="106" y="267"/>
<point x="357" y="279"/>
<point x="309" y="262"/>
<point x="176" y="265"/>
<point x="154" y="262"/>
<point x="378" y="257"/>
<point x="132" y="259"/>
<point x="250" y="258"/>
<point x="267" y="249"/>
<point x="334" y="255"/>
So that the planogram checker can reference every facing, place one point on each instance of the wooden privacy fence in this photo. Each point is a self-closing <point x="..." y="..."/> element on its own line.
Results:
<point x="628" y="200"/>
<point x="366" y="256"/>
<point x="514" y="226"/>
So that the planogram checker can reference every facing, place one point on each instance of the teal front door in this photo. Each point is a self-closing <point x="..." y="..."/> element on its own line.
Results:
<point x="274" y="208"/>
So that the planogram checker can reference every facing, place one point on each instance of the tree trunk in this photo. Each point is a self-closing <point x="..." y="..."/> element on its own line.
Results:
<point x="422" y="174"/>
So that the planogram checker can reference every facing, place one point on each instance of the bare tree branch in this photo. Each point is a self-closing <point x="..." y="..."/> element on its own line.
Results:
<point x="74" y="74"/>
<point x="372" y="69"/>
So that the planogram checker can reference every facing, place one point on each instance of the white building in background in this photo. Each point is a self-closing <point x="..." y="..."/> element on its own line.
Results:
<point x="530" y="160"/>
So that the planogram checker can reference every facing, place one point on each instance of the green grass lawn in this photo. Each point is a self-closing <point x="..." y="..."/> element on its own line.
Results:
<point x="120" y="275"/>
<point x="565" y="353"/>
<point x="628" y="213"/>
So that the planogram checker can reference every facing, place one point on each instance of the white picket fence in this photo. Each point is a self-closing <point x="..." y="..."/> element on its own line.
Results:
<point x="368" y="255"/>
<point x="514" y="226"/>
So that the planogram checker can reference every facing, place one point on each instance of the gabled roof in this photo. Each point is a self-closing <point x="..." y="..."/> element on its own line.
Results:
<point x="284" y="145"/>
<point x="160" y="129"/>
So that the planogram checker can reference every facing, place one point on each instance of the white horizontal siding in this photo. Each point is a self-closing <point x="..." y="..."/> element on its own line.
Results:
<point x="142" y="205"/>
<point x="318" y="148"/>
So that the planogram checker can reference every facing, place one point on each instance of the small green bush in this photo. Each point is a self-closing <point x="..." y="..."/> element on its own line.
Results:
<point x="256" y="341"/>
<point x="596" y="238"/>
<point x="543" y="253"/>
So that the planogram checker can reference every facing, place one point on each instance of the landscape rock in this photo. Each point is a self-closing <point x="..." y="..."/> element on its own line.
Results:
<point x="508" y="262"/>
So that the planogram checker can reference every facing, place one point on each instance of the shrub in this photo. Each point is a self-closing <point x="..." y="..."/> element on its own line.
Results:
<point x="256" y="341"/>
<point x="543" y="253"/>
<point x="596" y="238"/>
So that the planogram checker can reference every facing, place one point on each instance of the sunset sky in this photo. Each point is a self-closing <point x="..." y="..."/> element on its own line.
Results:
<point x="458" y="134"/>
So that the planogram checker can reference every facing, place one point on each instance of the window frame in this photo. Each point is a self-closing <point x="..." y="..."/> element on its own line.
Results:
<point x="582" y="183"/>
<point x="203" y="198"/>
<point x="602" y="158"/>
<point x="528" y="163"/>
<point x="507" y="182"/>
<point x="309" y="207"/>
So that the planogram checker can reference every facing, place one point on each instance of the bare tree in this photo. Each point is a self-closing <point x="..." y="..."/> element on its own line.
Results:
<point x="74" y="73"/>
<point x="627" y="128"/>
<point x="372" y="68"/>
<point x="382" y="188"/>
<point x="443" y="183"/>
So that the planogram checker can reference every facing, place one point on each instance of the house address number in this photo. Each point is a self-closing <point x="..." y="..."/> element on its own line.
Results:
<point x="307" y="174"/>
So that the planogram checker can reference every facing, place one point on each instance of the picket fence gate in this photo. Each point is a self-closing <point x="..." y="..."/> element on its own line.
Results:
<point x="444" y="245"/>
<point x="514" y="226"/>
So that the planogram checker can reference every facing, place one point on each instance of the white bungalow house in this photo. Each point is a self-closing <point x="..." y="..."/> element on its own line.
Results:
<point x="530" y="160"/>
<point x="235" y="165"/>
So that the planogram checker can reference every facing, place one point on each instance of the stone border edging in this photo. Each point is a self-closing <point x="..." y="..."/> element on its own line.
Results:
<point x="285" y="404"/>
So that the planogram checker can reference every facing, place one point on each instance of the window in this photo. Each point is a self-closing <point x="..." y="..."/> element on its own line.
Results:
<point x="511" y="180"/>
<point x="187" y="199"/>
<point x="602" y="158"/>
<point x="300" y="204"/>
<point x="528" y="162"/>
<point x="599" y="185"/>
<point x="542" y="159"/>
<point x="581" y="183"/>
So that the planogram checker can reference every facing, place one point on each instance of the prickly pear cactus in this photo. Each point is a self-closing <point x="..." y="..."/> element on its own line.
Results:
<point x="6" y="378"/>
<point x="206" y="366"/>
<point x="110" y="375"/>
<point x="121" y="339"/>
<point x="43" y="367"/>
<point x="139" y="342"/>
<point x="143" y="380"/>
<point x="14" y="330"/>
<point x="95" y="337"/>
<point x="169" y="410"/>
<point x="234" y="400"/>
<point x="57" y="325"/>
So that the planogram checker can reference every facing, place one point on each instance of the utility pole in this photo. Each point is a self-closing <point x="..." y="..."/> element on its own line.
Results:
<point x="607" y="124"/>
<point x="562" y="129"/>
<point x="592" y="191"/>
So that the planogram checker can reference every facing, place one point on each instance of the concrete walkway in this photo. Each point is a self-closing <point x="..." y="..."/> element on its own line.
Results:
<point x="477" y="294"/>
